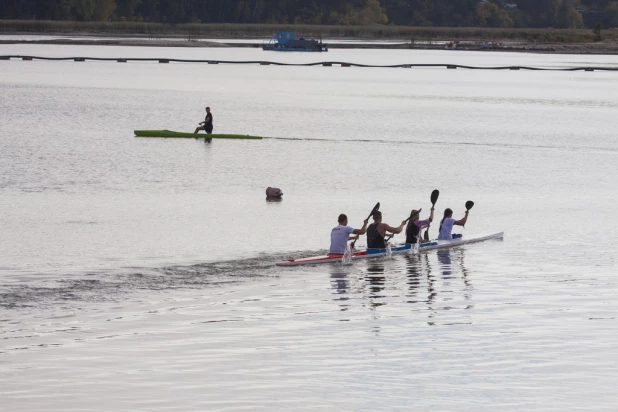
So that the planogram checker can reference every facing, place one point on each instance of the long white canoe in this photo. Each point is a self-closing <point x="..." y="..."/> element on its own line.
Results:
<point x="395" y="250"/>
<point x="440" y="244"/>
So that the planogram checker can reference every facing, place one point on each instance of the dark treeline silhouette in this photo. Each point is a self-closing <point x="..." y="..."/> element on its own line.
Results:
<point x="443" y="13"/>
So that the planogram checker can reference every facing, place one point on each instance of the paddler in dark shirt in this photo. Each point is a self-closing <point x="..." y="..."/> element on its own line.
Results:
<point x="377" y="231"/>
<point x="415" y="225"/>
<point x="206" y="125"/>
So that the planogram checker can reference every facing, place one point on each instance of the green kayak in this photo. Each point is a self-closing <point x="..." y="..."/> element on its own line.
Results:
<point x="169" y="133"/>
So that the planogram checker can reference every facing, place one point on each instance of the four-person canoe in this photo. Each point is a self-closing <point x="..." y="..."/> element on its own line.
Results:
<point x="170" y="133"/>
<point x="395" y="250"/>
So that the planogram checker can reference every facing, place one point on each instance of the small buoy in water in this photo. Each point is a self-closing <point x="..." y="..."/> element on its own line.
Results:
<point x="273" y="192"/>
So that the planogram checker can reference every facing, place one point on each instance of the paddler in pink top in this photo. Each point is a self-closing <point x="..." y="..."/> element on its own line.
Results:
<point x="415" y="225"/>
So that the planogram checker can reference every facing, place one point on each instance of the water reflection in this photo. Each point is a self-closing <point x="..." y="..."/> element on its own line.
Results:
<point x="433" y="282"/>
<point x="340" y="284"/>
<point x="417" y="267"/>
<point x="444" y="257"/>
<point x="376" y="282"/>
<point x="452" y="260"/>
<point x="205" y="139"/>
<point x="468" y="288"/>
<point x="273" y="199"/>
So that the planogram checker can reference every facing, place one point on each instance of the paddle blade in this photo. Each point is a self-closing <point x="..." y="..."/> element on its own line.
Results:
<point x="413" y="215"/>
<point x="375" y="209"/>
<point x="434" y="196"/>
<point x="426" y="237"/>
<point x="469" y="204"/>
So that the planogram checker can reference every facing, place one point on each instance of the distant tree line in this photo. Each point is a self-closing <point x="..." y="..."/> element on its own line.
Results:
<point x="442" y="13"/>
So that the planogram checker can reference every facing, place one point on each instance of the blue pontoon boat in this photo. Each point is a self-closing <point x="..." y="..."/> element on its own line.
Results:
<point x="285" y="41"/>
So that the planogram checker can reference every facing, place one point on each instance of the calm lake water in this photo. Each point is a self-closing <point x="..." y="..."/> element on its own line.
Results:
<point x="138" y="273"/>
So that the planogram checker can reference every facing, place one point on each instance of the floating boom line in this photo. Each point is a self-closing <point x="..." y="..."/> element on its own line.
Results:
<point x="324" y="63"/>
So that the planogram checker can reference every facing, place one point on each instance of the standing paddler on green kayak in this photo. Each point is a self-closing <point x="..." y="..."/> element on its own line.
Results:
<point x="206" y="125"/>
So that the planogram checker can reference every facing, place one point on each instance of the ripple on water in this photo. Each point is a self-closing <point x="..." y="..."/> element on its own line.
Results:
<point x="461" y="327"/>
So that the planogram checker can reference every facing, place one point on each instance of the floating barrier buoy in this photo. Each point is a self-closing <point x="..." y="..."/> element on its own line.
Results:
<point x="325" y="64"/>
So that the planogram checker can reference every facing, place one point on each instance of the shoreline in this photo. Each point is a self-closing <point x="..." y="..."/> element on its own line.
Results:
<point x="133" y="40"/>
<point x="201" y="35"/>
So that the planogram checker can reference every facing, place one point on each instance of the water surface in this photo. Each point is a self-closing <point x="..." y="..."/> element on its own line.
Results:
<point x="138" y="273"/>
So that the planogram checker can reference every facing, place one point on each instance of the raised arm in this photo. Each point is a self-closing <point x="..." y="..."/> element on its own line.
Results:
<point x="425" y="223"/>
<point x="462" y="222"/>
<point x="391" y="229"/>
<point x="362" y="230"/>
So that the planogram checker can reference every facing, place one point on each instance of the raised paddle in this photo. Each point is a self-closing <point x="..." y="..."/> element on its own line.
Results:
<point x="434" y="198"/>
<point x="411" y="215"/>
<point x="469" y="205"/>
<point x="375" y="209"/>
<point x="406" y="221"/>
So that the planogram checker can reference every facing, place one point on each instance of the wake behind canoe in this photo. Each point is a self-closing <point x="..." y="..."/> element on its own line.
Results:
<point x="170" y="133"/>
<point x="401" y="249"/>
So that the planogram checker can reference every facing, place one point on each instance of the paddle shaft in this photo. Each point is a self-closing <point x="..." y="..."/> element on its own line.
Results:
<point x="434" y="198"/>
<point x="375" y="209"/>
<point x="469" y="205"/>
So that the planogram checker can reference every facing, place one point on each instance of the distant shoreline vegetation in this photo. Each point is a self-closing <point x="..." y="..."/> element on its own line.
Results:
<point x="229" y="30"/>
<point x="559" y="14"/>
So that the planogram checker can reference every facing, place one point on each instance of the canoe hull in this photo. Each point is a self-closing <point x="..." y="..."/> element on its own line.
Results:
<point x="396" y="250"/>
<point x="170" y="133"/>
<point x="441" y="244"/>
<point x="363" y="254"/>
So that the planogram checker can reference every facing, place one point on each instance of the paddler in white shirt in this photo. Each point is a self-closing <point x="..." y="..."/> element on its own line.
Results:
<point x="447" y="223"/>
<point x="340" y="235"/>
